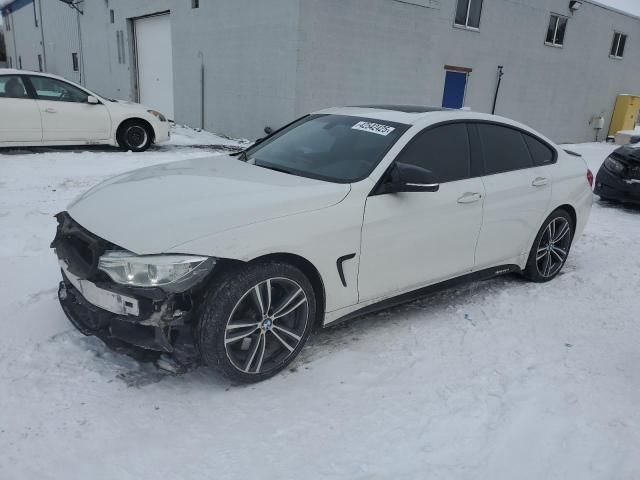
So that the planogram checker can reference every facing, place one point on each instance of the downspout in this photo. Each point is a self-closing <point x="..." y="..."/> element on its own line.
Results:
<point x="201" y="55"/>
<point x="81" y="66"/>
<point x="495" y="98"/>
<point x="15" y="45"/>
<point x="44" y="49"/>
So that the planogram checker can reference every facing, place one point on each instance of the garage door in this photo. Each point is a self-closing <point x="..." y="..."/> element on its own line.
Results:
<point x="154" y="62"/>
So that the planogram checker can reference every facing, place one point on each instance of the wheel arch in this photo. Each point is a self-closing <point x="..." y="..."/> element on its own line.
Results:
<point x="146" y="123"/>
<point x="309" y="269"/>
<point x="571" y="211"/>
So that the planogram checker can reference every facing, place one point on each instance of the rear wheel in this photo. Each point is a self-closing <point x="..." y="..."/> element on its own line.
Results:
<point x="257" y="321"/>
<point x="550" y="248"/>
<point x="134" y="135"/>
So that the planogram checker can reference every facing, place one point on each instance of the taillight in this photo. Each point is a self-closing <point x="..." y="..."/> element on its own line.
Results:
<point x="590" y="177"/>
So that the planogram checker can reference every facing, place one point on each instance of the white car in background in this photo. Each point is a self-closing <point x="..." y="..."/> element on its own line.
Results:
<point x="232" y="260"/>
<point x="39" y="109"/>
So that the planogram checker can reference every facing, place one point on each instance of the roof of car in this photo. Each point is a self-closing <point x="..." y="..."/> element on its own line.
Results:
<point x="410" y="115"/>
<point x="15" y="71"/>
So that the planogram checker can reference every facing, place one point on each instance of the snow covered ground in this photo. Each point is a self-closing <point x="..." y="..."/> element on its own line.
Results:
<point x="496" y="380"/>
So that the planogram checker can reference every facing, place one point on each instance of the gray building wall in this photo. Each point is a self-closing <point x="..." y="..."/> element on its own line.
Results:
<point x="266" y="63"/>
<point x="249" y="51"/>
<point x="351" y="52"/>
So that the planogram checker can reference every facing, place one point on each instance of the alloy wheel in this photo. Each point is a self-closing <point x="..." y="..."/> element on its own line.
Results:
<point x="266" y="325"/>
<point x="553" y="247"/>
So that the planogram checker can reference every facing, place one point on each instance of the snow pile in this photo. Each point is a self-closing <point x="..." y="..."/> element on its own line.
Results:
<point x="503" y="379"/>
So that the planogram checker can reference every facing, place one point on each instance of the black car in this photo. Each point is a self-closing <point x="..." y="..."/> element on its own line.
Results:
<point x="619" y="175"/>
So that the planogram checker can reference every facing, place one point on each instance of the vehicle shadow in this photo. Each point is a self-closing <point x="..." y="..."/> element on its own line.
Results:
<point x="621" y="206"/>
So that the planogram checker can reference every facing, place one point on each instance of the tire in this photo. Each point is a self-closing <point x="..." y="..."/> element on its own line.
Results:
<point x="234" y="334"/>
<point x="550" y="248"/>
<point x="134" y="135"/>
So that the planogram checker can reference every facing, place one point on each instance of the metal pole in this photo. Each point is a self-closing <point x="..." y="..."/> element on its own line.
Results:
<point x="201" y="55"/>
<point x="44" y="48"/>
<point x="495" y="98"/>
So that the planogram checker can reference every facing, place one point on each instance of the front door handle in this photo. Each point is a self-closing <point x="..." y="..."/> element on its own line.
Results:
<point x="540" y="182"/>
<point x="50" y="110"/>
<point x="470" y="197"/>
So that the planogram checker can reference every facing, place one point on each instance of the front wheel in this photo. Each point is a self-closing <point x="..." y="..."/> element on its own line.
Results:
<point x="256" y="321"/>
<point x="550" y="248"/>
<point x="134" y="135"/>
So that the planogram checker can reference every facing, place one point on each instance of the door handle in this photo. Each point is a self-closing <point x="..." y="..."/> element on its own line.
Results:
<point x="50" y="110"/>
<point x="470" y="197"/>
<point x="540" y="182"/>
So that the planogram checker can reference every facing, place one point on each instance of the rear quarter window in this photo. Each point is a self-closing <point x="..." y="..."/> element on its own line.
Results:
<point x="541" y="153"/>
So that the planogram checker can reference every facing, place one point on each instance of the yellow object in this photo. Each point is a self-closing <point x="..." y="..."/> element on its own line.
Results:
<point x="625" y="114"/>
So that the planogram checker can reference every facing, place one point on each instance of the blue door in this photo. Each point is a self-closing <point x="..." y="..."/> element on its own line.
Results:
<point x="454" y="87"/>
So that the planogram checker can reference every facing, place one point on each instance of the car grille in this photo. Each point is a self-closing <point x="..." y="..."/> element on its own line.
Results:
<point x="77" y="247"/>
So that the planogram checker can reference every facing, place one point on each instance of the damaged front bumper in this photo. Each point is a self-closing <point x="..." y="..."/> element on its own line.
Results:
<point x="145" y="322"/>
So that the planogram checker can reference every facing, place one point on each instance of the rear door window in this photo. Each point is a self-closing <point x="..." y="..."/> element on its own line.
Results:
<point x="503" y="149"/>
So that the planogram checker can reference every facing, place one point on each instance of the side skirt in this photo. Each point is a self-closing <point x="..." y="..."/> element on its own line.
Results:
<point x="478" y="276"/>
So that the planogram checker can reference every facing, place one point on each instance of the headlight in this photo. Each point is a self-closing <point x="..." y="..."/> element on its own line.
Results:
<point x="614" y="165"/>
<point x="160" y="116"/>
<point x="179" y="272"/>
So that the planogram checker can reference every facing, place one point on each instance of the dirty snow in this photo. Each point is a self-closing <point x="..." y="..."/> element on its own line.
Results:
<point x="500" y="380"/>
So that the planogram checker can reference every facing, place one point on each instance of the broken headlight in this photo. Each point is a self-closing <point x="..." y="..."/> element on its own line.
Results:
<point x="176" y="272"/>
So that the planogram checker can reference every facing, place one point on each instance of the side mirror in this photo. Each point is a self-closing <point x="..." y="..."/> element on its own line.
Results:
<point x="91" y="100"/>
<point x="409" y="178"/>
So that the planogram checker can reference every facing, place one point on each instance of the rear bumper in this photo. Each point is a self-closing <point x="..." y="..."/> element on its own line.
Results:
<point x="612" y="187"/>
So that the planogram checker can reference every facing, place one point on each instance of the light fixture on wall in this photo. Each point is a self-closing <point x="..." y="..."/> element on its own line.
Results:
<point x="574" y="5"/>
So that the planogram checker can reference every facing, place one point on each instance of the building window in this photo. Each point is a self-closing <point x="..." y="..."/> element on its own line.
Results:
<point x="74" y="62"/>
<point x="10" y="62"/>
<point x="20" y="62"/>
<point x="195" y="3"/>
<point x="112" y="16"/>
<point x="7" y="22"/>
<point x="468" y="13"/>
<point x="617" y="47"/>
<point x="35" y="14"/>
<point x="39" y="62"/>
<point x="556" y="31"/>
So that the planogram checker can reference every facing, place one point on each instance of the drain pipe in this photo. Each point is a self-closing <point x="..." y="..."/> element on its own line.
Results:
<point x="495" y="97"/>
<point x="201" y="55"/>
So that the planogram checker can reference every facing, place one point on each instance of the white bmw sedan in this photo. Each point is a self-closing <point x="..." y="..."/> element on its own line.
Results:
<point x="231" y="261"/>
<point x="41" y="109"/>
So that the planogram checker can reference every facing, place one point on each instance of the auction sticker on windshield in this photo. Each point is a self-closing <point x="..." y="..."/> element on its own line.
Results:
<point x="371" y="127"/>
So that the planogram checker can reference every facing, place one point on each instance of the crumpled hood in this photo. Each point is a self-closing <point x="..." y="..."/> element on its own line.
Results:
<point x="154" y="209"/>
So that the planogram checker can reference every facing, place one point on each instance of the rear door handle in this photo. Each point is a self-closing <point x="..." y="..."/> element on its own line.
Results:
<point x="540" y="182"/>
<point x="50" y="110"/>
<point x="470" y="197"/>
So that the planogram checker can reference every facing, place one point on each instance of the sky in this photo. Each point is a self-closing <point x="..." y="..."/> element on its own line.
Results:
<point x="631" y="6"/>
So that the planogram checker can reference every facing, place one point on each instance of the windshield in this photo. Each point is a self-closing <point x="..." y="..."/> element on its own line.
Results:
<point x="336" y="148"/>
